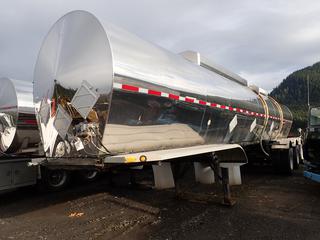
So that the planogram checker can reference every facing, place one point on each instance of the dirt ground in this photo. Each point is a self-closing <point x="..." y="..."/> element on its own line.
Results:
<point x="268" y="206"/>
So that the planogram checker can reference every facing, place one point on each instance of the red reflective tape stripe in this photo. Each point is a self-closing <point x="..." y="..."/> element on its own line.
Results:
<point x="30" y="121"/>
<point x="176" y="97"/>
<point x="190" y="100"/>
<point x="130" y="88"/>
<point x="173" y="96"/>
<point x="153" y="92"/>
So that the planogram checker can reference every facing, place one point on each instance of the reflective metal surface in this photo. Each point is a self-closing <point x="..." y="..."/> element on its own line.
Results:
<point x="18" y="126"/>
<point x="99" y="89"/>
<point x="314" y="116"/>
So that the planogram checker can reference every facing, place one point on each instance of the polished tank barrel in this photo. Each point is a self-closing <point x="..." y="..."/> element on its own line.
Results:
<point x="101" y="90"/>
<point x="18" y="125"/>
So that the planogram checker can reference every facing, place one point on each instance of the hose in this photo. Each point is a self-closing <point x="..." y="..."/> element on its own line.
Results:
<point x="106" y="151"/>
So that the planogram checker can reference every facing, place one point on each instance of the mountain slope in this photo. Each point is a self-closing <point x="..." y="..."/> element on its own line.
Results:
<point x="292" y="92"/>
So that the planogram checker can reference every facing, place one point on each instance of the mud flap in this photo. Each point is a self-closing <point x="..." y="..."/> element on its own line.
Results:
<point x="163" y="176"/>
<point x="203" y="173"/>
<point x="233" y="172"/>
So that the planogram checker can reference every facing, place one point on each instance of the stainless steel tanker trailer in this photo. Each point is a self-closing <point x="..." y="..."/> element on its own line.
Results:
<point x="19" y="134"/>
<point x="20" y="138"/>
<point x="105" y="97"/>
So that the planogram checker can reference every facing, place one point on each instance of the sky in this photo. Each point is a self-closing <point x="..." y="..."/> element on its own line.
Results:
<point x="263" y="41"/>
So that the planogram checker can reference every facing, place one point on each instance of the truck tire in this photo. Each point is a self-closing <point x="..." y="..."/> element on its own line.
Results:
<point x="282" y="161"/>
<point x="55" y="179"/>
<point x="89" y="175"/>
<point x="296" y="157"/>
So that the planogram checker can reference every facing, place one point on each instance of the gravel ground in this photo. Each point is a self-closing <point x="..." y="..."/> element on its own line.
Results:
<point x="268" y="206"/>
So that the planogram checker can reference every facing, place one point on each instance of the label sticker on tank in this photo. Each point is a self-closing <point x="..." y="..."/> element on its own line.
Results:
<point x="62" y="122"/>
<point x="253" y="125"/>
<point x="233" y="123"/>
<point x="78" y="144"/>
<point x="271" y="128"/>
<point x="84" y="99"/>
<point x="44" y="111"/>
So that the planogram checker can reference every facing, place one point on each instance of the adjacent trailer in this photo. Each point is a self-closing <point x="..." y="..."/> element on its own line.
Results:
<point x="19" y="134"/>
<point x="105" y="97"/>
<point x="20" y="139"/>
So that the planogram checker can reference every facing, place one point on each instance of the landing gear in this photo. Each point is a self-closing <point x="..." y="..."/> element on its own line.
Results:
<point x="227" y="200"/>
<point x="221" y="176"/>
<point x="224" y="178"/>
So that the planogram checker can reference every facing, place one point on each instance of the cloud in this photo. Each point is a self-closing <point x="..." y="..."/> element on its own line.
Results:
<point x="261" y="40"/>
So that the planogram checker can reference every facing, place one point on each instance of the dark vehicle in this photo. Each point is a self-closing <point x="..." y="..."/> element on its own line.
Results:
<point x="312" y="144"/>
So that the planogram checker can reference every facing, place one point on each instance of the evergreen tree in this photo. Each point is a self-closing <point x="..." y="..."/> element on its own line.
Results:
<point x="292" y="92"/>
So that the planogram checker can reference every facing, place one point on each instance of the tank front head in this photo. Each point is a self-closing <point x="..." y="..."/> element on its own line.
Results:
<point x="8" y="114"/>
<point x="73" y="81"/>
